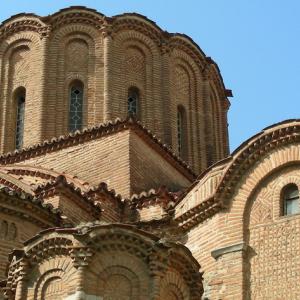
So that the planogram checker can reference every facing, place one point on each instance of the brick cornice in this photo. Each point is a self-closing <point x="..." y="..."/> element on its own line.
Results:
<point x="83" y="242"/>
<point x="160" y="196"/>
<point x="28" y="207"/>
<point x="59" y="185"/>
<point x="241" y="160"/>
<point x="110" y="26"/>
<point x="253" y="150"/>
<point x="43" y="173"/>
<point x="96" y="132"/>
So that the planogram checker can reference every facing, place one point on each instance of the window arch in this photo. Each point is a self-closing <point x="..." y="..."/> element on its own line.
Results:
<point x="20" y="97"/>
<point x="181" y="132"/>
<point x="290" y="199"/>
<point x="3" y="229"/>
<point x="12" y="232"/>
<point x="133" y="101"/>
<point x="76" y="106"/>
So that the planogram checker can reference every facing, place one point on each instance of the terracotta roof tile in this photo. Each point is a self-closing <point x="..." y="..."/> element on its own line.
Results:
<point x="95" y="132"/>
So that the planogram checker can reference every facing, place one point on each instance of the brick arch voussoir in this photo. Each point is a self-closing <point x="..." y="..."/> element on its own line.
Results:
<point x="53" y="268"/>
<point x="184" y="59"/>
<point x="60" y="33"/>
<point x="129" y="37"/>
<point x="275" y="193"/>
<point x="22" y="24"/>
<point x="14" y="183"/>
<point x="43" y="249"/>
<point x="178" y="42"/>
<point x="254" y="150"/>
<point x="104" y="264"/>
<point x="137" y="24"/>
<point x="180" y="54"/>
<point x="133" y="83"/>
<point x="217" y="113"/>
<point x="214" y="76"/>
<point x="131" y="275"/>
<point x="80" y="16"/>
<point x="250" y="181"/>
<point x="173" y="277"/>
<point x="45" y="173"/>
<point x="31" y="39"/>
<point x="285" y="181"/>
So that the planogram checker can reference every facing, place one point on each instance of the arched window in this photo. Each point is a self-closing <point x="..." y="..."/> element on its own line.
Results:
<point x="12" y="232"/>
<point x="133" y="101"/>
<point x="20" y="96"/>
<point x="3" y="229"/>
<point x="181" y="132"/>
<point x="290" y="200"/>
<point x="76" y="106"/>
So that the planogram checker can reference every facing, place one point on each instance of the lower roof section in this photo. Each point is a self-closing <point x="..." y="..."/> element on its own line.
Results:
<point x="122" y="154"/>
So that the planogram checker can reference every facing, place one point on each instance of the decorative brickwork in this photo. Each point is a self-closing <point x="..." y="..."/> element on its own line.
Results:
<point x="89" y="261"/>
<point x="111" y="209"/>
<point x="108" y="56"/>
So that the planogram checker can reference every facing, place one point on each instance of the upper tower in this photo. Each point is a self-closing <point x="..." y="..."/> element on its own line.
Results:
<point x="78" y="68"/>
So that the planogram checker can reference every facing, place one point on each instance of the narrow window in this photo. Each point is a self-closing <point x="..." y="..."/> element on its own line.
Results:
<point x="290" y="200"/>
<point x="133" y="101"/>
<point x="12" y="232"/>
<point x="20" y="116"/>
<point x="181" y="132"/>
<point x="3" y="230"/>
<point x="76" y="106"/>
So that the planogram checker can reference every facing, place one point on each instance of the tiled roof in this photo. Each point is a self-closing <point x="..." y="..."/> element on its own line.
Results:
<point x="96" y="132"/>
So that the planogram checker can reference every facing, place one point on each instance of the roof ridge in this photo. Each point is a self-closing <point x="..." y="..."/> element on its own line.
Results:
<point x="90" y="133"/>
<point x="44" y="189"/>
<point x="38" y="201"/>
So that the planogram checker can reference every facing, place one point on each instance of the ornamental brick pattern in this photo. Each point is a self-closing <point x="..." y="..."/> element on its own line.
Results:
<point x="111" y="211"/>
<point x="109" y="56"/>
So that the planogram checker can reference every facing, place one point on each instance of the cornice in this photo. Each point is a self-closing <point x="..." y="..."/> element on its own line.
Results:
<point x="96" y="132"/>
<point x="46" y="174"/>
<point x="108" y="26"/>
<point x="81" y="244"/>
<point x="160" y="196"/>
<point x="102" y="189"/>
<point x="199" y="213"/>
<point x="22" y="202"/>
<point x="76" y="16"/>
<point x="240" y="161"/>
<point x="244" y="158"/>
<point x="60" y="184"/>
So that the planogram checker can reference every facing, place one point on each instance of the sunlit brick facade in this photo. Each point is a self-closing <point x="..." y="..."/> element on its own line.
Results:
<point x="116" y="181"/>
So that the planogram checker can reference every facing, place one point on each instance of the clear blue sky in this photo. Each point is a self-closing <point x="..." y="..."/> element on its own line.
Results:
<point x="256" y="44"/>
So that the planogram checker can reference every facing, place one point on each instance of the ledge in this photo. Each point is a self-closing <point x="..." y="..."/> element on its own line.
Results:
<point x="229" y="249"/>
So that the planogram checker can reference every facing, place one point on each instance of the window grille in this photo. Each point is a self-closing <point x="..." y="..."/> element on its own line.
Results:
<point x="76" y="107"/>
<point x="20" y="120"/>
<point x="290" y="200"/>
<point x="132" y="101"/>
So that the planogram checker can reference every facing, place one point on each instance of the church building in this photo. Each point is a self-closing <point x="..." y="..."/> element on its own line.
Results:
<point x="116" y="180"/>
